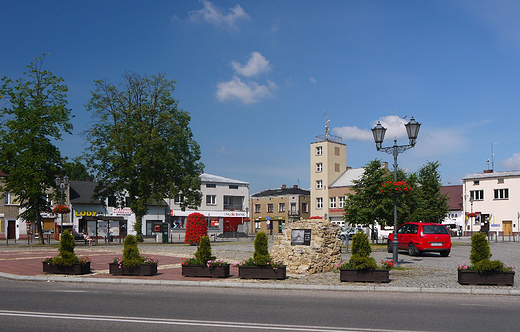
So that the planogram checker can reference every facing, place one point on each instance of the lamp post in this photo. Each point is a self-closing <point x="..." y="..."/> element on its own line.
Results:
<point x="412" y="129"/>
<point x="471" y="219"/>
<point x="61" y="185"/>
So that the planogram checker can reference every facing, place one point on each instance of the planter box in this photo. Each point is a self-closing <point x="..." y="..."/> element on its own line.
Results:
<point x="376" y="276"/>
<point x="491" y="278"/>
<point x="141" y="270"/>
<point x="261" y="272"/>
<point x="221" y="271"/>
<point x="61" y="269"/>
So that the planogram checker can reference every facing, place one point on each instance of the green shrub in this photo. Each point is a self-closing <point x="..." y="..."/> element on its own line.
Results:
<point x="131" y="256"/>
<point x="203" y="254"/>
<point x="360" y="263"/>
<point x="66" y="257"/>
<point x="479" y="248"/>
<point x="486" y="265"/>
<point x="361" y="245"/>
<point x="261" y="255"/>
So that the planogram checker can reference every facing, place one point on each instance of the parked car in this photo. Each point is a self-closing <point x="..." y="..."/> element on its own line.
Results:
<point x="419" y="237"/>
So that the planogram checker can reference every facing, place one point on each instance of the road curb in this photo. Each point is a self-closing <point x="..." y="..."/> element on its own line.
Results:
<point x="274" y="286"/>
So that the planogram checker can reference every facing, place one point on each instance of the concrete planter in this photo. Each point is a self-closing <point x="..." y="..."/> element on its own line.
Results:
<point x="75" y="269"/>
<point x="141" y="270"/>
<point x="220" y="271"/>
<point x="490" y="278"/>
<point x="376" y="276"/>
<point x="262" y="272"/>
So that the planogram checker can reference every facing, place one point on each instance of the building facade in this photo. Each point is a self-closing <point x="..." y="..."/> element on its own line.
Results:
<point x="328" y="156"/>
<point x="492" y="202"/>
<point x="224" y="203"/>
<point x="271" y="209"/>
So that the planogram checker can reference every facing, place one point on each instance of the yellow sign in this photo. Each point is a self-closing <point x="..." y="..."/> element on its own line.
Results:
<point x="87" y="213"/>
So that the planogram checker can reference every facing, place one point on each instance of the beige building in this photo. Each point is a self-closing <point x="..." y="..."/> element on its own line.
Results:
<point x="328" y="162"/>
<point x="272" y="208"/>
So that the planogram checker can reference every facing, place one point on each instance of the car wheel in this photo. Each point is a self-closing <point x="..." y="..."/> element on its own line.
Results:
<point x="445" y="253"/>
<point x="412" y="251"/>
<point x="389" y="247"/>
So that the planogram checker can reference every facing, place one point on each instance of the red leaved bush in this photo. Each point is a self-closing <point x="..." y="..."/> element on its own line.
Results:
<point x="196" y="226"/>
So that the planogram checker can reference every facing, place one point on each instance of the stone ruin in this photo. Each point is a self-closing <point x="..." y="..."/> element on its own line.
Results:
<point x="308" y="246"/>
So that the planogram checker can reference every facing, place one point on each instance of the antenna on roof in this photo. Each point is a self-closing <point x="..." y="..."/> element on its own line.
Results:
<point x="327" y="121"/>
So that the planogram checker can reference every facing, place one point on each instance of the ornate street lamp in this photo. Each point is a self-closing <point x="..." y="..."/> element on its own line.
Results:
<point x="412" y="129"/>
<point x="61" y="185"/>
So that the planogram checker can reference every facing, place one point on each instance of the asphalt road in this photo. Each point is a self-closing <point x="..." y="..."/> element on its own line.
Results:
<point x="49" y="306"/>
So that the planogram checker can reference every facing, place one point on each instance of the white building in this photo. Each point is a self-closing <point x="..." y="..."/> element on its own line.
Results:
<point x="224" y="204"/>
<point x="491" y="202"/>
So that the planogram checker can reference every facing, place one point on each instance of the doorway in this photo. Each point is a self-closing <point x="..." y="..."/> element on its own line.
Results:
<point x="11" y="229"/>
<point x="507" y="226"/>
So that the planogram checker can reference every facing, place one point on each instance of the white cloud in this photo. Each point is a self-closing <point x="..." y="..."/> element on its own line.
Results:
<point x="247" y="93"/>
<point x="312" y="80"/>
<point x="223" y="150"/>
<point x="512" y="163"/>
<point x="215" y="15"/>
<point x="256" y="64"/>
<point x="353" y="133"/>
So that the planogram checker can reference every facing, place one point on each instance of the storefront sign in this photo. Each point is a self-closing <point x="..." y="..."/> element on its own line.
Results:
<point x="123" y="212"/>
<point x="301" y="237"/>
<point x="87" y="213"/>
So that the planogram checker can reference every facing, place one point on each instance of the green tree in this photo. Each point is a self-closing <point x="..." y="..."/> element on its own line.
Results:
<point x="366" y="204"/>
<point x="429" y="205"/>
<point x="141" y="144"/>
<point x="35" y="116"/>
<point x="76" y="170"/>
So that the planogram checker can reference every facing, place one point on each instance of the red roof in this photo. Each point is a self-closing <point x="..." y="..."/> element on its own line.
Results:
<point x="455" y="196"/>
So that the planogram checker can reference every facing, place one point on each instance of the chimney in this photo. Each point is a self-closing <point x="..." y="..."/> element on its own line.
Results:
<point x="488" y="171"/>
<point x="284" y="186"/>
<point x="295" y="186"/>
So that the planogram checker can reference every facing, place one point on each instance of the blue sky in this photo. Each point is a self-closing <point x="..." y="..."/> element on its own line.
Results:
<point x="258" y="76"/>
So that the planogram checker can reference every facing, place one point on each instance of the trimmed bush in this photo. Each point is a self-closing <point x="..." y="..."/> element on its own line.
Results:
<point x="131" y="256"/>
<point x="479" y="248"/>
<point x="261" y="255"/>
<point x="196" y="226"/>
<point x="66" y="257"/>
<point x="203" y="254"/>
<point x="361" y="245"/>
<point x="362" y="262"/>
<point x="486" y="265"/>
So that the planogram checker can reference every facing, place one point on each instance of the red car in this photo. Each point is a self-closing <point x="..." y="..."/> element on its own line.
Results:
<point x="418" y="237"/>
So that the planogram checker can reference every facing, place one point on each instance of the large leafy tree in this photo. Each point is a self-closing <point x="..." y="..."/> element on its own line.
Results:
<point x="366" y="205"/>
<point x="35" y="116"/>
<point x="141" y="144"/>
<point x="76" y="170"/>
<point x="429" y="204"/>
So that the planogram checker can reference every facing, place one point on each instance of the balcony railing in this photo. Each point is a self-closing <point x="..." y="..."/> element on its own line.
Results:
<point x="231" y="207"/>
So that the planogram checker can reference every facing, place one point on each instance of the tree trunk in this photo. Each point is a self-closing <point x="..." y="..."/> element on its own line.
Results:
<point x="138" y="227"/>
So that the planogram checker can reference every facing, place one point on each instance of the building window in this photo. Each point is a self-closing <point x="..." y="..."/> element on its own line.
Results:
<point x="258" y="208"/>
<point x="500" y="180"/>
<point x="336" y="167"/>
<point x="270" y="208"/>
<point x="233" y="186"/>
<point x="336" y="151"/>
<point x="211" y="185"/>
<point x="476" y="182"/>
<point x="211" y="199"/>
<point x="10" y="199"/>
<point x="281" y="207"/>
<point x="177" y="199"/>
<point x="319" y="167"/>
<point x="333" y="202"/>
<point x="112" y="201"/>
<point x="319" y="184"/>
<point x="305" y="208"/>
<point x="341" y="202"/>
<point x="319" y="150"/>
<point x="293" y="208"/>
<point x="127" y="201"/>
<point x="501" y="193"/>
<point x="319" y="203"/>
<point x="477" y="195"/>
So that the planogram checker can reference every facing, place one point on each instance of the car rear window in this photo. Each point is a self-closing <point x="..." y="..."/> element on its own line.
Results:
<point x="434" y="229"/>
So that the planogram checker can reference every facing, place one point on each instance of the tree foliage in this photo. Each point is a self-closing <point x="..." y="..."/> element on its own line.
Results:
<point x="425" y="202"/>
<point x="76" y="170"/>
<point x="35" y="115"/>
<point x="141" y="144"/>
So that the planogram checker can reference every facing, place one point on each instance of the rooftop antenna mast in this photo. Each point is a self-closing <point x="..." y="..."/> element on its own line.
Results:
<point x="327" y="121"/>
<point x="492" y="158"/>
